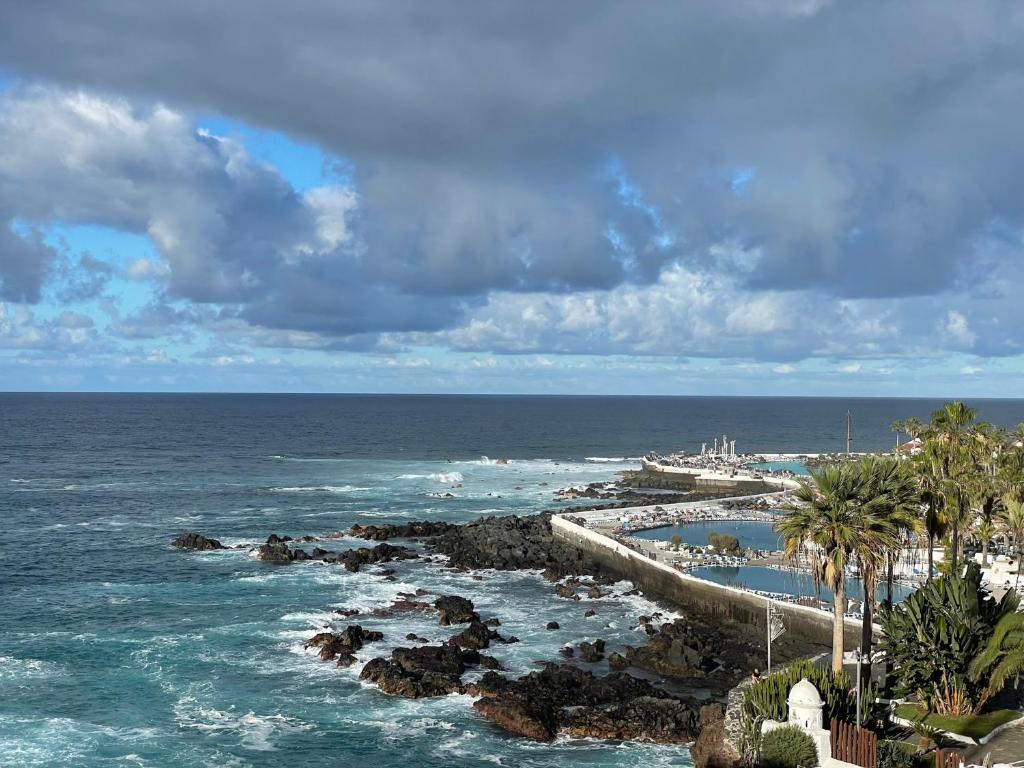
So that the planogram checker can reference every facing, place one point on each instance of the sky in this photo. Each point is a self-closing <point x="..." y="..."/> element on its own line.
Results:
<point x="780" y="197"/>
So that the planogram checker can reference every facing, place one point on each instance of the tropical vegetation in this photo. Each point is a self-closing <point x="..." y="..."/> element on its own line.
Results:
<point x="767" y="699"/>
<point x="944" y="644"/>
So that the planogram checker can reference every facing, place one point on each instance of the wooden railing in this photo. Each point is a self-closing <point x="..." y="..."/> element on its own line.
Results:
<point x="854" y="745"/>
<point x="947" y="759"/>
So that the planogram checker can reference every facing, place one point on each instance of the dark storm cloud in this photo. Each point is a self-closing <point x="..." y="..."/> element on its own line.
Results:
<point x="881" y="137"/>
<point x="882" y="134"/>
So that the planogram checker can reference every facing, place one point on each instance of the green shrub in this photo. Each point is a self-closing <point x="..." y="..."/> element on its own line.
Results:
<point x="787" y="747"/>
<point x="896" y="754"/>
<point x="723" y="542"/>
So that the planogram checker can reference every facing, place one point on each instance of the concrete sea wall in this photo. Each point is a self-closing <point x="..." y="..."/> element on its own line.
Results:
<point x="688" y="592"/>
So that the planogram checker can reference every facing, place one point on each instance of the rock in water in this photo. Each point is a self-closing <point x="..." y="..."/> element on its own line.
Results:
<point x="276" y="550"/>
<point x="387" y="531"/>
<point x="618" y="706"/>
<point x="592" y="652"/>
<point x="429" y="670"/>
<point x="353" y="559"/>
<point x="343" y="645"/>
<point x="455" y="610"/>
<point x="196" y="542"/>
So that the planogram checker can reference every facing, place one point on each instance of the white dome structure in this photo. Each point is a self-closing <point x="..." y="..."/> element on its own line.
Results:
<point x="805" y="705"/>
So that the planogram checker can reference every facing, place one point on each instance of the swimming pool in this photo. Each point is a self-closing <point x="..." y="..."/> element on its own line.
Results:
<point x="781" y="466"/>
<point x="758" y="577"/>
<point x="751" y="533"/>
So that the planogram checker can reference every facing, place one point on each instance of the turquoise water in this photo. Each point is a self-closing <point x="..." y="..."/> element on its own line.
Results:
<point x="780" y="466"/>
<point x="750" y="533"/>
<point x="785" y="582"/>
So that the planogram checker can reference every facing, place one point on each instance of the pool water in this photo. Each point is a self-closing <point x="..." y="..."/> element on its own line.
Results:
<point x="786" y="582"/>
<point x="781" y="466"/>
<point x="751" y="533"/>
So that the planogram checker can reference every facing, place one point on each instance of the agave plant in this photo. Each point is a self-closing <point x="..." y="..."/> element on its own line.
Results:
<point x="935" y="633"/>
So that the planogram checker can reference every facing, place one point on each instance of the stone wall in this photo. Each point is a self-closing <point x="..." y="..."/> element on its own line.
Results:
<point x="680" y="589"/>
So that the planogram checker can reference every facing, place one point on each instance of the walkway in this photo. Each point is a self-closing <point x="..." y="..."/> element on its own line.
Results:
<point x="1006" y="747"/>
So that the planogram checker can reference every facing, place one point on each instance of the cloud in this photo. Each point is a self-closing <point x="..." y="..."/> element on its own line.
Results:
<point x="759" y="180"/>
<point x="25" y="262"/>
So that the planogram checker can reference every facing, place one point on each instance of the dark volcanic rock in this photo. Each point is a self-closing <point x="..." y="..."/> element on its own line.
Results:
<point x="276" y="550"/>
<point x="387" y="531"/>
<point x="696" y="647"/>
<point x="455" y="610"/>
<point x="475" y="637"/>
<point x="552" y="625"/>
<point x="342" y="645"/>
<point x="592" y="652"/>
<point x="400" y="607"/>
<point x="512" y="543"/>
<point x="541" y="704"/>
<point x="567" y="590"/>
<point x="196" y="542"/>
<point x="430" y="670"/>
<point x="353" y="559"/>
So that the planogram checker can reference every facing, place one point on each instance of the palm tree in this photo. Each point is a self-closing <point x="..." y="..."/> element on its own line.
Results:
<point x="890" y="502"/>
<point x="929" y="477"/>
<point x="951" y="446"/>
<point x="1011" y="521"/>
<point x="827" y="526"/>
<point x="913" y="427"/>
<point x="985" y="530"/>
<point x="1003" y="657"/>
<point x="897" y="427"/>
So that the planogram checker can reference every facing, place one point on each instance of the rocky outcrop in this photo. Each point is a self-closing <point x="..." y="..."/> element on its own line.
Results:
<point x="429" y="670"/>
<point x="592" y="652"/>
<point x="195" y="541"/>
<point x="564" y="699"/>
<point x="276" y="550"/>
<point x="721" y="653"/>
<point x="342" y="645"/>
<point x="514" y="543"/>
<point x="418" y="529"/>
<point x="354" y="559"/>
<point x="711" y="749"/>
<point x="455" y="610"/>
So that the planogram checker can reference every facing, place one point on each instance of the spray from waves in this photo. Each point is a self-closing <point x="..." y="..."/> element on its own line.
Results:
<point x="319" y="489"/>
<point x="611" y="459"/>
<point x="440" y="477"/>
<point x="255" y="732"/>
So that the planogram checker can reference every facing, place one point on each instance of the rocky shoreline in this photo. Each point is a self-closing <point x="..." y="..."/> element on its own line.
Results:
<point x="650" y="693"/>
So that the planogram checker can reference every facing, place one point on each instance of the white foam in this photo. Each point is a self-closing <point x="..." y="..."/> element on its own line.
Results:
<point x="256" y="732"/>
<point x="611" y="459"/>
<point x="320" y="489"/>
<point x="440" y="477"/>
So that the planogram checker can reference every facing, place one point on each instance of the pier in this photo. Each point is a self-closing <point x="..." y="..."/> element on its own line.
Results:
<point x="673" y="585"/>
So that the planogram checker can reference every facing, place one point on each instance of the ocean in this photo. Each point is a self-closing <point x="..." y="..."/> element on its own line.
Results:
<point x="118" y="650"/>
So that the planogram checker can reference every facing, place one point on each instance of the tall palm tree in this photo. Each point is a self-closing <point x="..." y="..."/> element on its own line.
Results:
<point x="890" y="502"/>
<point x="897" y="427"/>
<point x="1010" y="520"/>
<point x="951" y="446"/>
<point x="913" y="427"/>
<point x="985" y="531"/>
<point x="826" y="525"/>
<point x="930" y="480"/>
